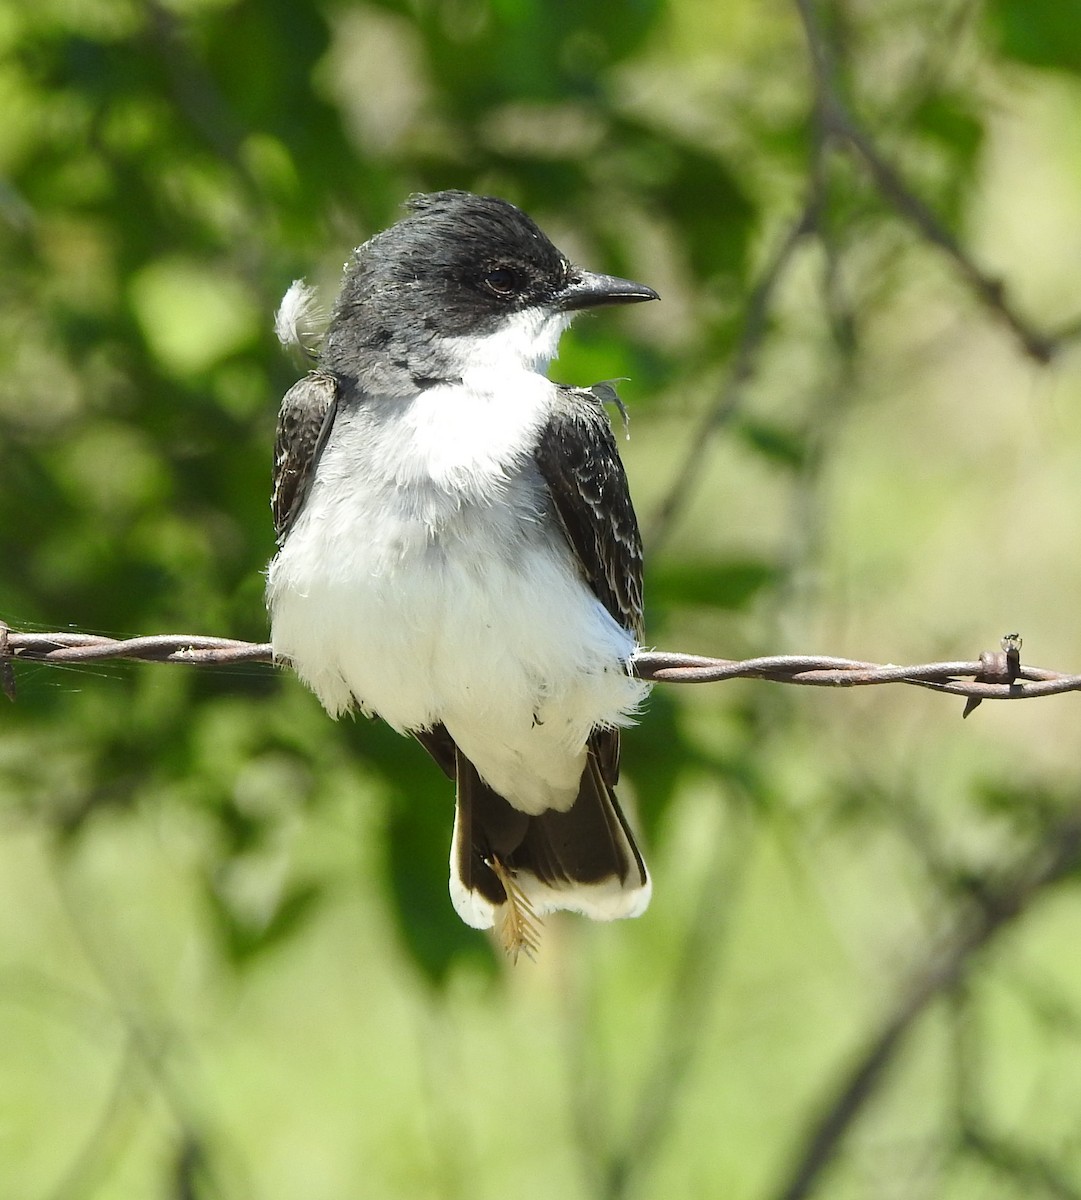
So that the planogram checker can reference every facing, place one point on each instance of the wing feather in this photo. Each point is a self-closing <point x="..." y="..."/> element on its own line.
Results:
<point x="578" y="458"/>
<point x="580" y="462"/>
<point x="306" y="416"/>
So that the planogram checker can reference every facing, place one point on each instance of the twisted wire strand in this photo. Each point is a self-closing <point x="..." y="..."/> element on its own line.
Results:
<point x="995" y="675"/>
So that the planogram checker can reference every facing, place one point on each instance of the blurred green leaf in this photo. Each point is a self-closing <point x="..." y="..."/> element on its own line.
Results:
<point x="1041" y="33"/>
<point x="191" y="316"/>
<point x="726" y="584"/>
<point x="698" y="192"/>
<point x="786" y="447"/>
<point x="951" y="119"/>
<point x="418" y="856"/>
<point x="246" y="936"/>
<point x="656" y="756"/>
<point x="540" y="49"/>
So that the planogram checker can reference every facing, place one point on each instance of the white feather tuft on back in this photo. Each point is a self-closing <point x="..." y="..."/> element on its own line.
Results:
<point x="300" y="322"/>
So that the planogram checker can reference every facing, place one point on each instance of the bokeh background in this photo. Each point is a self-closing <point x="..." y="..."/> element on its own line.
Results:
<point x="229" y="967"/>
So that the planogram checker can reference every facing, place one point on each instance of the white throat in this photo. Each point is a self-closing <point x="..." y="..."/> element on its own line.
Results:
<point x="527" y="340"/>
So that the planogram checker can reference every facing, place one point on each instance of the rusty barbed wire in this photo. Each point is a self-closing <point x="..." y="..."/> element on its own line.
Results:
<point x="995" y="675"/>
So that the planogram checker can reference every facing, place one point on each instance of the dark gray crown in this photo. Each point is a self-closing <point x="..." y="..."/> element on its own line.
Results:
<point x="463" y="261"/>
<point x="458" y="265"/>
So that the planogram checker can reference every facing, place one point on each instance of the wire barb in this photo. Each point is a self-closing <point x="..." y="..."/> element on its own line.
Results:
<point x="7" y="671"/>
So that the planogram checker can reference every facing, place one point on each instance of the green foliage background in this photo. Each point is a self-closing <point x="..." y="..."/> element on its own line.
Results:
<point x="228" y="963"/>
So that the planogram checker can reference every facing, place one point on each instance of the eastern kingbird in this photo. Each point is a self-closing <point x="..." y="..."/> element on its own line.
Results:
<point x="458" y="553"/>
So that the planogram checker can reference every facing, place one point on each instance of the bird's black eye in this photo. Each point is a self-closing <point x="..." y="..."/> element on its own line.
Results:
<point x="501" y="281"/>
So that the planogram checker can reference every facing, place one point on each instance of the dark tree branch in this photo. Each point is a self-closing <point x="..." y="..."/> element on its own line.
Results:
<point x="836" y="122"/>
<point x="693" y="986"/>
<point x="1035" y="1173"/>
<point x="740" y="372"/>
<point x="834" y="125"/>
<point x="1056" y="855"/>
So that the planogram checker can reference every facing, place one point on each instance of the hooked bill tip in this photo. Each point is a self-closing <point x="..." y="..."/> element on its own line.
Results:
<point x="586" y="289"/>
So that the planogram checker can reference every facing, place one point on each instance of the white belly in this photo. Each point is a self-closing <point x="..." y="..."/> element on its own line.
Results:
<point x="426" y="604"/>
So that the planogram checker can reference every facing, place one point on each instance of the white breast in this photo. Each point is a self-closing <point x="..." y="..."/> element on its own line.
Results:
<point x="421" y="582"/>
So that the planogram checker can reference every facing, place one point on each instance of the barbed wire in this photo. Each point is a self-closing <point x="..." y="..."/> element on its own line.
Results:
<point x="995" y="675"/>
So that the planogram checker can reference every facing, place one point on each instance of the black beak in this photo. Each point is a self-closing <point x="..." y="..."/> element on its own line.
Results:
<point x="584" y="289"/>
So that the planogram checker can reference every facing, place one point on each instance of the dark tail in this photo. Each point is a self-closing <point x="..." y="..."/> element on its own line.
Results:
<point x="510" y="867"/>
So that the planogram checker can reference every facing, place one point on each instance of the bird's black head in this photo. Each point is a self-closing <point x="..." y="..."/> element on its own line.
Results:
<point x="457" y="270"/>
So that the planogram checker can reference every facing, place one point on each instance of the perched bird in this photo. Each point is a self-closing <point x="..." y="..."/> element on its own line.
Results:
<point x="458" y="553"/>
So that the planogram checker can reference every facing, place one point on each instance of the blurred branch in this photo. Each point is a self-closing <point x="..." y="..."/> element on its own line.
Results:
<point x="836" y="122"/>
<point x="990" y="911"/>
<point x="97" y="1155"/>
<point x="149" y="1044"/>
<point x="996" y="675"/>
<point x="194" y="90"/>
<point x="685" y="1021"/>
<point x="740" y="372"/>
<point x="974" y="1137"/>
<point x="1033" y="1171"/>
<point x="835" y="125"/>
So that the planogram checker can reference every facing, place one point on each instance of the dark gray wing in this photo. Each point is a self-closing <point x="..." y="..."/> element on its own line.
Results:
<point x="306" y="415"/>
<point x="578" y="458"/>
